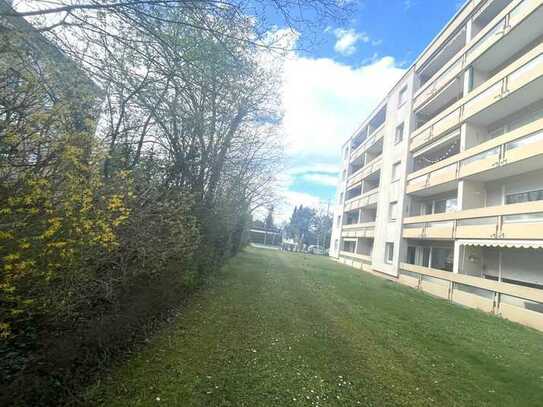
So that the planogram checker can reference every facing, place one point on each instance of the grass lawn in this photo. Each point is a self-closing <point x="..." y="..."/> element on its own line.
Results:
<point x="282" y="329"/>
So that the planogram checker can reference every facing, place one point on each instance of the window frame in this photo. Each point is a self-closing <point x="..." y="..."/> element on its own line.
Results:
<point x="402" y="93"/>
<point x="398" y="140"/>
<point x="389" y="252"/>
<point x="393" y="211"/>
<point x="396" y="166"/>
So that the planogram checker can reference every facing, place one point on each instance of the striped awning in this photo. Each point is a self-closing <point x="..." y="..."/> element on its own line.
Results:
<point x="513" y="244"/>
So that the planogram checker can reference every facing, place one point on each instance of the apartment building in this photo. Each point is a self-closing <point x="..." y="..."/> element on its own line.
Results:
<point x="442" y="185"/>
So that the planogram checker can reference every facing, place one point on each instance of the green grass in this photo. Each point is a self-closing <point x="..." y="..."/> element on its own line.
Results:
<point x="277" y="329"/>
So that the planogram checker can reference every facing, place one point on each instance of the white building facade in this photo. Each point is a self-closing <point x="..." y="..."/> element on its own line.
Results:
<point x="442" y="185"/>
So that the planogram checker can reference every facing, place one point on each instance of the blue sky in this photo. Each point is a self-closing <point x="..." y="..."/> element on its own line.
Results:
<point x="330" y="88"/>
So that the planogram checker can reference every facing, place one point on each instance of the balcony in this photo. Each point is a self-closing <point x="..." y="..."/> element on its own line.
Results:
<point x="446" y="97"/>
<point x="512" y="30"/>
<point x="438" y="61"/>
<point x="364" y="201"/>
<point x="500" y="31"/>
<point x="515" y="221"/>
<point x="515" y="152"/>
<point x="375" y="137"/>
<point x="518" y="86"/>
<point x="361" y="230"/>
<point x="517" y="303"/>
<point x="365" y="171"/>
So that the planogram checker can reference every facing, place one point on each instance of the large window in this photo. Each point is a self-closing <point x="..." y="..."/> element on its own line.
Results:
<point x="349" y="246"/>
<point x="439" y="206"/>
<point x="529" y="196"/>
<point x="440" y="258"/>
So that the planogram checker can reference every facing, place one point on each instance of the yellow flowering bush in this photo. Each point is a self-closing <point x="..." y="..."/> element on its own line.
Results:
<point x="50" y="227"/>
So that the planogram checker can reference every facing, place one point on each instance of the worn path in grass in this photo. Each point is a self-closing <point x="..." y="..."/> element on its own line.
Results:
<point x="282" y="329"/>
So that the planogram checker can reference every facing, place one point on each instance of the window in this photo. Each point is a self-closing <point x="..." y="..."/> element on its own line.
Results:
<point x="524" y="197"/>
<point x="402" y="97"/>
<point x="341" y="198"/>
<point x="393" y="211"/>
<point x="439" y="206"/>
<point x="396" y="171"/>
<point x="442" y="259"/>
<point x="349" y="246"/>
<point x="398" y="136"/>
<point x="336" y="244"/>
<point x="389" y="252"/>
<point x="339" y="220"/>
<point x="346" y="153"/>
<point x="411" y="255"/>
<point x="344" y="174"/>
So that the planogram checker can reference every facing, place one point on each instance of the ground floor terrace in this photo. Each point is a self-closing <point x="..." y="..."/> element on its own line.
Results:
<point x="287" y="329"/>
<point x="503" y="277"/>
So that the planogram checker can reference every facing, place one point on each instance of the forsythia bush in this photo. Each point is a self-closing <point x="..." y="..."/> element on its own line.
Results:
<point x="51" y="227"/>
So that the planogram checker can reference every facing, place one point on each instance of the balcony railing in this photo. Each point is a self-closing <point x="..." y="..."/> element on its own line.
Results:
<point x="497" y="297"/>
<point x="517" y="75"/>
<point x="370" y="141"/>
<point x="360" y="230"/>
<point x="367" y="199"/>
<point x="523" y="143"/>
<point x="515" y="221"/>
<point x="501" y="25"/>
<point x="365" y="171"/>
<point x="364" y="258"/>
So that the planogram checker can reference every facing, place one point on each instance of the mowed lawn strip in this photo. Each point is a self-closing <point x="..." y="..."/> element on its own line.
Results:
<point x="282" y="329"/>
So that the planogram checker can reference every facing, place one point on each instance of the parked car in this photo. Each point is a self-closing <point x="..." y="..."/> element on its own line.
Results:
<point x="318" y="250"/>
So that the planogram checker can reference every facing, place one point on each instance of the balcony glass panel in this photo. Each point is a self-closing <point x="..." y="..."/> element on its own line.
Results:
<point x="480" y="292"/>
<point x="478" y="221"/>
<point x="522" y="303"/>
<point x="448" y="74"/>
<point x="418" y="182"/>
<point x="519" y="12"/>
<point x="498" y="29"/>
<point x="493" y="90"/>
<point x="415" y="226"/>
<point x="409" y="273"/>
<point x="481" y="156"/>
<point x="524" y="218"/>
<point x="433" y="280"/>
<point x="530" y="66"/>
<point x="448" y="170"/>
<point x="443" y="224"/>
<point x="524" y="141"/>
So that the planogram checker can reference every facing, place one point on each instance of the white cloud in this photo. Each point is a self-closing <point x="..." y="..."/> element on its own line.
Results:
<point x="347" y="40"/>
<point x="322" y="179"/>
<point x="324" y="101"/>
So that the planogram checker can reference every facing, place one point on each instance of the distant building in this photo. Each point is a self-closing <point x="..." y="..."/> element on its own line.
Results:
<point x="267" y="237"/>
<point x="442" y="186"/>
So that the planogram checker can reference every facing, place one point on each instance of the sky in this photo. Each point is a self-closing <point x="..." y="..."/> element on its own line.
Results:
<point x="331" y="87"/>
